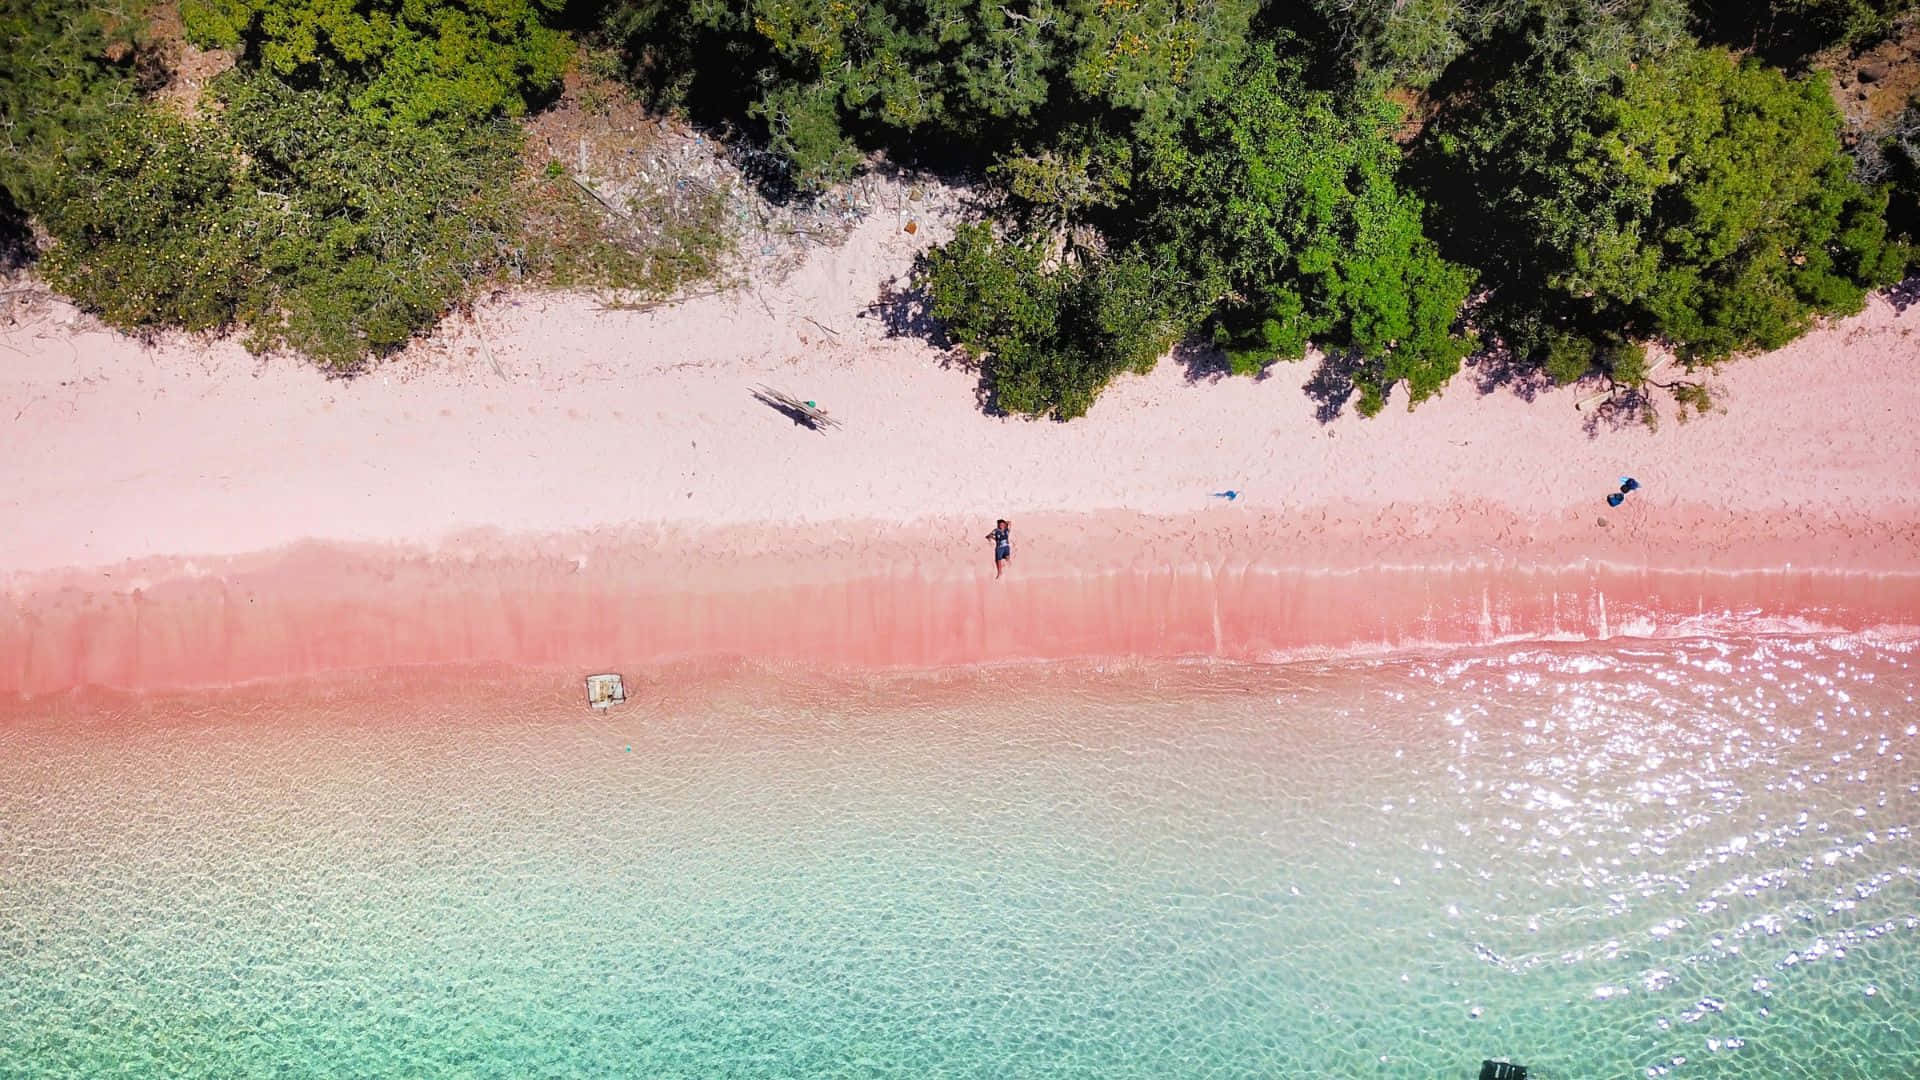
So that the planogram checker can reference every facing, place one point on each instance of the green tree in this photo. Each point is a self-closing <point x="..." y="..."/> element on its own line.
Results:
<point x="1411" y="42"/>
<point x="376" y="230"/>
<point x="1688" y="197"/>
<point x="1079" y="173"/>
<point x="407" y="61"/>
<point x="823" y="77"/>
<point x="1154" y="58"/>
<point x="1048" y="340"/>
<point x="1281" y="209"/>
<point x="322" y="231"/>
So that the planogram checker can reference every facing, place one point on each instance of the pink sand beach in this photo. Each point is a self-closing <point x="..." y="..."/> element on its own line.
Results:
<point x="556" y="482"/>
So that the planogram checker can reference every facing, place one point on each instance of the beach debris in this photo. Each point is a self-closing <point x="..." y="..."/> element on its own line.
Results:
<point x="1502" y="1070"/>
<point x="1228" y="495"/>
<point x="807" y="414"/>
<point x="605" y="691"/>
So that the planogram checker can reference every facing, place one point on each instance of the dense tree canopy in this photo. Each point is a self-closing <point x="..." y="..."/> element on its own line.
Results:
<point x="1572" y="178"/>
<point x="1049" y="339"/>
<point x="1270" y="218"/>
<point x="1787" y="31"/>
<point x="1412" y="42"/>
<point x="1281" y="208"/>
<point x="822" y="75"/>
<point x="346" y="184"/>
<point x="1692" y="198"/>
<point x="327" y="232"/>
<point x="411" y="61"/>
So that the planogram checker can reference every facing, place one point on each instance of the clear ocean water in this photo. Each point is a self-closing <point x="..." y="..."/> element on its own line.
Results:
<point x="1686" y="858"/>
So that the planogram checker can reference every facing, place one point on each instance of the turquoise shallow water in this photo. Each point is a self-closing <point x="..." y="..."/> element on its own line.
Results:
<point x="1686" y="859"/>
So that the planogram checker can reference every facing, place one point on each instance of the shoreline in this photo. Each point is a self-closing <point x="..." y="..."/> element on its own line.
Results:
<point x="1096" y="586"/>
<point x="555" y="481"/>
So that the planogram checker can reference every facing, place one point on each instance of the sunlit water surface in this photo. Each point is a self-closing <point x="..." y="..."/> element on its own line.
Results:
<point x="1693" y="859"/>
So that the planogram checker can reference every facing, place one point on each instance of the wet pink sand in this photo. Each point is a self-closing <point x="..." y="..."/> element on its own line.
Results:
<point x="1104" y="586"/>
<point x="183" y="514"/>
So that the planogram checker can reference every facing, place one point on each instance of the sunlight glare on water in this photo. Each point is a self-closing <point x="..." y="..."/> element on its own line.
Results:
<point x="1689" y="859"/>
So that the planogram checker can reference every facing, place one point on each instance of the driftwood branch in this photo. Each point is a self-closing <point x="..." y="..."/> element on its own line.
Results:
<point x="620" y="215"/>
<point x="649" y="305"/>
<point x="800" y="412"/>
<point x="597" y="197"/>
<point x="487" y="351"/>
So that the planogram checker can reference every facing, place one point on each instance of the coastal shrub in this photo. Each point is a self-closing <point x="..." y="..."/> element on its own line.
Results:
<point x="1280" y="208"/>
<point x="1082" y="172"/>
<point x="323" y="231"/>
<point x="154" y="223"/>
<point x="375" y="230"/>
<point x="397" y="61"/>
<point x="1689" y="197"/>
<point x="320" y="200"/>
<point x="65" y="69"/>
<point x="1048" y="339"/>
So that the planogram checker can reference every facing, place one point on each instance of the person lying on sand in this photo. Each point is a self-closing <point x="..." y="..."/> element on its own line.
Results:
<point x="1002" y="537"/>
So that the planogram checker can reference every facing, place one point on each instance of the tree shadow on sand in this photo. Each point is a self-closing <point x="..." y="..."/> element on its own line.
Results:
<point x="1904" y="295"/>
<point x="1331" y="386"/>
<point x="1336" y="379"/>
<point x="1496" y="366"/>
<point x="1629" y="407"/>
<point x="1202" y="361"/>
<point x="905" y="311"/>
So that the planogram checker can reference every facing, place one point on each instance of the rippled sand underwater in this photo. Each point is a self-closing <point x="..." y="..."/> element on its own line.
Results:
<point x="1686" y="858"/>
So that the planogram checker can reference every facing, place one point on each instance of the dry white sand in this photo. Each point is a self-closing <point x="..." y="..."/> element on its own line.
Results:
<point x="116" y="450"/>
